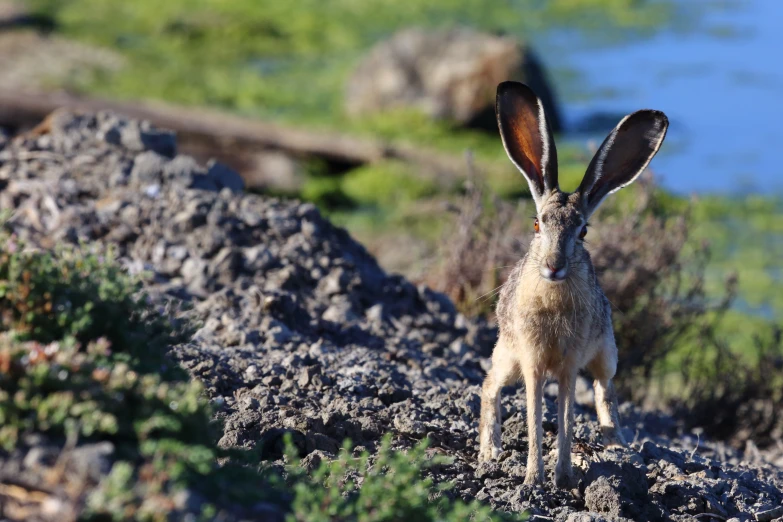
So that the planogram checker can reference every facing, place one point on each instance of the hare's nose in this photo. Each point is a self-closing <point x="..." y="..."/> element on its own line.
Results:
<point x="554" y="271"/>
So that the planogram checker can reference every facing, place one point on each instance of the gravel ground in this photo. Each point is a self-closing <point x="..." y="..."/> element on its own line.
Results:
<point x="303" y="333"/>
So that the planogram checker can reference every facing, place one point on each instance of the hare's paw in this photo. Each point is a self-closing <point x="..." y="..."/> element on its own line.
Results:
<point x="534" y="476"/>
<point x="532" y="479"/>
<point x="564" y="476"/>
<point x="489" y="452"/>
<point x="612" y="437"/>
<point x="489" y="441"/>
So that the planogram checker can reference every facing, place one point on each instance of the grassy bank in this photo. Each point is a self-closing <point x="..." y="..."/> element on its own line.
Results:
<point x="290" y="60"/>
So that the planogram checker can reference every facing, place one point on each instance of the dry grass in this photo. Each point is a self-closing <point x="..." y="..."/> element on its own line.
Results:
<point x="489" y="237"/>
<point x="731" y="397"/>
<point x="654" y="278"/>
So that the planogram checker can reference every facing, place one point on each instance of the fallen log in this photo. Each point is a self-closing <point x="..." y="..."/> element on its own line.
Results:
<point x="212" y="133"/>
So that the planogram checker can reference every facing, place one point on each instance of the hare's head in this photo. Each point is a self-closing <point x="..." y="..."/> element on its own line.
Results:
<point x="561" y="218"/>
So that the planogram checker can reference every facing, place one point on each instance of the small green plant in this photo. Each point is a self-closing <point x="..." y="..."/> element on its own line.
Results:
<point x="386" y="488"/>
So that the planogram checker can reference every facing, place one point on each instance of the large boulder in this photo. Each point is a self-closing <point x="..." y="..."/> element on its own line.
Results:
<point x="447" y="74"/>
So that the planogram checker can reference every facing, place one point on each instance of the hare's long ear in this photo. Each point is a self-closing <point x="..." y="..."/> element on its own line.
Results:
<point x="526" y="137"/>
<point x="623" y="155"/>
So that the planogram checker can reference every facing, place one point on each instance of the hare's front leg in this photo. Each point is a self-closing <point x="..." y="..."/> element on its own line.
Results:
<point x="564" y="477"/>
<point x="505" y="370"/>
<point x="603" y="368"/>
<point x="534" y="391"/>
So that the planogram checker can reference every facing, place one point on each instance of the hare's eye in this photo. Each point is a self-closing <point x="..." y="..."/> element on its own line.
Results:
<point x="535" y="225"/>
<point x="583" y="232"/>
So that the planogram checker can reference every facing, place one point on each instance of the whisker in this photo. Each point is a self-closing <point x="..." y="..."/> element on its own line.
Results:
<point x="613" y="306"/>
<point x="573" y="302"/>
<point x="493" y="293"/>
<point x="498" y="267"/>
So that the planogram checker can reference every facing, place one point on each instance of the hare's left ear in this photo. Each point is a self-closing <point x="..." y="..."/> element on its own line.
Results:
<point x="624" y="154"/>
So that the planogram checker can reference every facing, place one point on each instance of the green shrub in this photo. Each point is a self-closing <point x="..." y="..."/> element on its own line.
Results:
<point x="82" y="357"/>
<point x="79" y="296"/>
<point x="387" y="488"/>
<point x="326" y="192"/>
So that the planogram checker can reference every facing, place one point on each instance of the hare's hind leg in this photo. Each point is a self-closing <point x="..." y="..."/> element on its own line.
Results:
<point x="505" y="370"/>
<point x="603" y="368"/>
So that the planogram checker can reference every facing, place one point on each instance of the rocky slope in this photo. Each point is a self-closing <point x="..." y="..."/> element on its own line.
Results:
<point x="304" y="333"/>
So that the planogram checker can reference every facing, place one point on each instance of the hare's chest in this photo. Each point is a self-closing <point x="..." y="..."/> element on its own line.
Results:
<point x="552" y="340"/>
<point x="552" y="324"/>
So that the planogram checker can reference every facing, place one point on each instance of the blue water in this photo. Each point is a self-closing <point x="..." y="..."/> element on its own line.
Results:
<point x="720" y="82"/>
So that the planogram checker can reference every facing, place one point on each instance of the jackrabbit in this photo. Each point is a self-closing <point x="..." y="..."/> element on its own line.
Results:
<point x="553" y="316"/>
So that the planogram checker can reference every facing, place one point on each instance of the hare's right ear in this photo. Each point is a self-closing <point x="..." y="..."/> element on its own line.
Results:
<point x="527" y="138"/>
<point x="623" y="155"/>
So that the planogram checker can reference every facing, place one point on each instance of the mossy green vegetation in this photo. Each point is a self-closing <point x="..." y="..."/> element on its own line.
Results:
<point x="289" y="59"/>
<point x="746" y="235"/>
<point x="386" y="185"/>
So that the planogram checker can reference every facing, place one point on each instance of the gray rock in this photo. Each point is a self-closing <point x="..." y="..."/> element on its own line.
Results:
<point x="145" y="138"/>
<point x="340" y="312"/>
<point x="603" y="497"/>
<point x="224" y="177"/>
<point x="488" y="470"/>
<point x="307" y="374"/>
<point x="617" y="488"/>
<point x="586" y="517"/>
<point x="314" y="459"/>
<point x="136" y="136"/>
<point x="258" y="259"/>
<point x="652" y="452"/>
<point x="335" y="283"/>
<point x="148" y="169"/>
<point x="92" y="460"/>
<point x="448" y="73"/>
<point x="409" y="426"/>
<point x="186" y="172"/>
